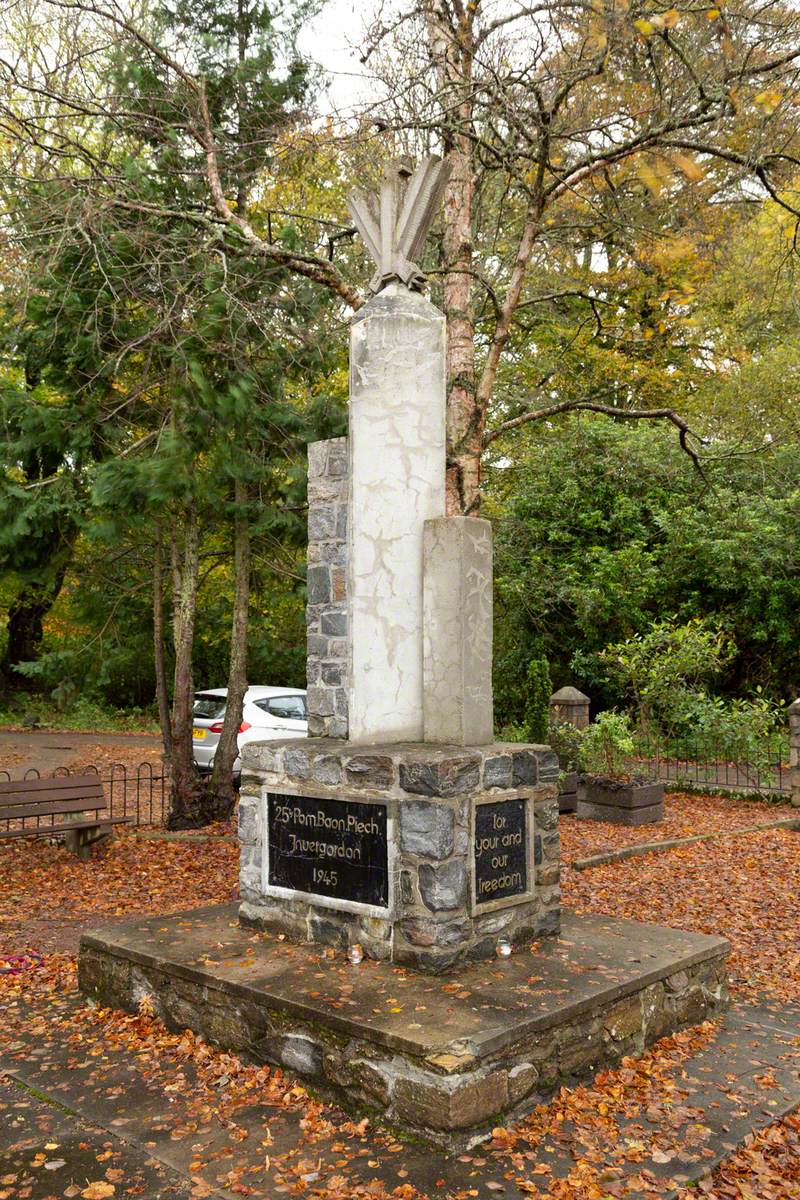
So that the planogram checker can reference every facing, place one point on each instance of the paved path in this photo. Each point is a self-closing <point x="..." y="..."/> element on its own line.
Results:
<point x="48" y="1152"/>
<point x="108" y="1098"/>
<point x="44" y="750"/>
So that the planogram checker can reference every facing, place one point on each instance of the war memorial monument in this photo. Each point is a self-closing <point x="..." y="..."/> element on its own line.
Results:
<point x="400" y="940"/>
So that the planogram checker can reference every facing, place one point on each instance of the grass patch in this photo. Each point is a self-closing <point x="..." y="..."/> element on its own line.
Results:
<point x="27" y="710"/>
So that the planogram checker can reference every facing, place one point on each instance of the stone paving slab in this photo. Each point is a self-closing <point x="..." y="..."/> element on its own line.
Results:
<point x="748" y="1077"/>
<point x="597" y="959"/>
<point x="47" y="1152"/>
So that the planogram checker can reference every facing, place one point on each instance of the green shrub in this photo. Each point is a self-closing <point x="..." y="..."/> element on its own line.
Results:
<point x="538" y="690"/>
<point x="76" y="712"/>
<point x="565" y="739"/>
<point x="606" y="746"/>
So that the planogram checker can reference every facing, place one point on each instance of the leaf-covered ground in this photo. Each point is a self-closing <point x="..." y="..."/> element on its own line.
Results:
<point x="48" y="895"/>
<point x="745" y="888"/>
<point x="684" y="816"/>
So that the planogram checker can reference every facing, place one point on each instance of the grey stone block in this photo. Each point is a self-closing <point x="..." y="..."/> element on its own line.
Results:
<point x="549" y="923"/>
<point x="295" y="762"/>
<point x="296" y="1053"/>
<point x="248" y="821"/>
<point x="494" y="922"/>
<point x="451" y="1104"/>
<point x="407" y="894"/>
<point x="320" y="701"/>
<point x="319" y="584"/>
<point x="426" y="828"/>
<point x="313" y="670"/>
<point x="337" y="457"/>
<point x="333" y="673"/>
<point x="441" y="776"/>
<point x="327" y="769"/>
<point x="333" y="623"/>
<point x="551" y="846"/>
<point x="522" y="1079"/>
<point x="425" y="931"/>
<point x="497" y="771"/>
<point x="525" y="768"/>
<point x="443" y="886"/>
<point x="549" y="767"/>
<point x="324" y="927"/>
<point x="317" y="458"/>
<point x="546" y="814"/>
<point x="321" y="522"/>
<point x="313" y="615"/>
<point x="250" y="859"/>
<point x="370" y="770"/>
<point x="334" y="553"/>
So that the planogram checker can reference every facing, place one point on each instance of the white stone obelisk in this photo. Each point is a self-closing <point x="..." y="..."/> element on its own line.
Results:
<point x="397" y="482"/>
<point x="397" y="457"/>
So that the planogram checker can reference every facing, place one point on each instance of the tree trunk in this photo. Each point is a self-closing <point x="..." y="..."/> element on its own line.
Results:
<point x="222" y="790"/>
<point x="464" y="418"/>
<point x="454" y="57"/>
<point x="188" y="800"/>
<point x="25" y="629"/>
<point x="26" y="614"/>
<point x="162" y="695"/>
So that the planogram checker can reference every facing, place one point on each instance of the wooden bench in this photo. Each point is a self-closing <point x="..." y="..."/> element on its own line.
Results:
<point x="67" y="797"/>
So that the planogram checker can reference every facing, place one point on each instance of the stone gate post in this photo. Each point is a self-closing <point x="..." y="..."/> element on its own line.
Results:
<point x="794" y="752"/>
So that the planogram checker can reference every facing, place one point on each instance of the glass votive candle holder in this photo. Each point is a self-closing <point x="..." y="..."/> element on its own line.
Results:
<point x="503" y="949"/>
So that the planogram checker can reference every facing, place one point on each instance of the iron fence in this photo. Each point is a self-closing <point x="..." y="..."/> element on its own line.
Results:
<point x="140" y="793"/>
<point x="708" y="762"/>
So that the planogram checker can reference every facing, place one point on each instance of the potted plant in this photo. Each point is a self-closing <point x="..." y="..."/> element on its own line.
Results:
<point x="610" y="792"/>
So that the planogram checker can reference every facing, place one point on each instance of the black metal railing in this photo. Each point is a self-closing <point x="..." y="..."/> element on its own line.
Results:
<point x="140" y="793"/>
<point x="703" y="761"/>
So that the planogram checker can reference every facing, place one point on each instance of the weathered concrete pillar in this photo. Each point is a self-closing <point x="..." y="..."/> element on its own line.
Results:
<point x="794" y="752"/>
<point x="457" y="643"/>
<point x="397" y="474"/>
<point x="569" y="706"/>
<point x="327" y="666"/>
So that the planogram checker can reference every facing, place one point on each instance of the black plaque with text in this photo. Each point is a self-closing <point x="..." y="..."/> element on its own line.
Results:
<point x="501" y="859"/>
<point x="328" y="847"/>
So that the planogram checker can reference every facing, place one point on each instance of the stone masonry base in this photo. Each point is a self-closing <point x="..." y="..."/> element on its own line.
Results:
<point x="444" y="1061"/>
<point x="437" y="910"/>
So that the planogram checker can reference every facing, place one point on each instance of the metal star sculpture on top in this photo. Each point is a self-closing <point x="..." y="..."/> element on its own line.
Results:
<point x="395" y="223"/>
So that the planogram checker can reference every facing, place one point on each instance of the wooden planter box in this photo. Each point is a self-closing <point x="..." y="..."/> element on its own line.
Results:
<point x="619" y="803"/>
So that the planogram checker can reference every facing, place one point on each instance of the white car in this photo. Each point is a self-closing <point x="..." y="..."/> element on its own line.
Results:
<point x="267" y="713"/>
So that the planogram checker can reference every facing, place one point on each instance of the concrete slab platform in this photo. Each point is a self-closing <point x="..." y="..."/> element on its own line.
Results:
<point x="440" y="1056"/>
<point x="746" y="1076"/>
